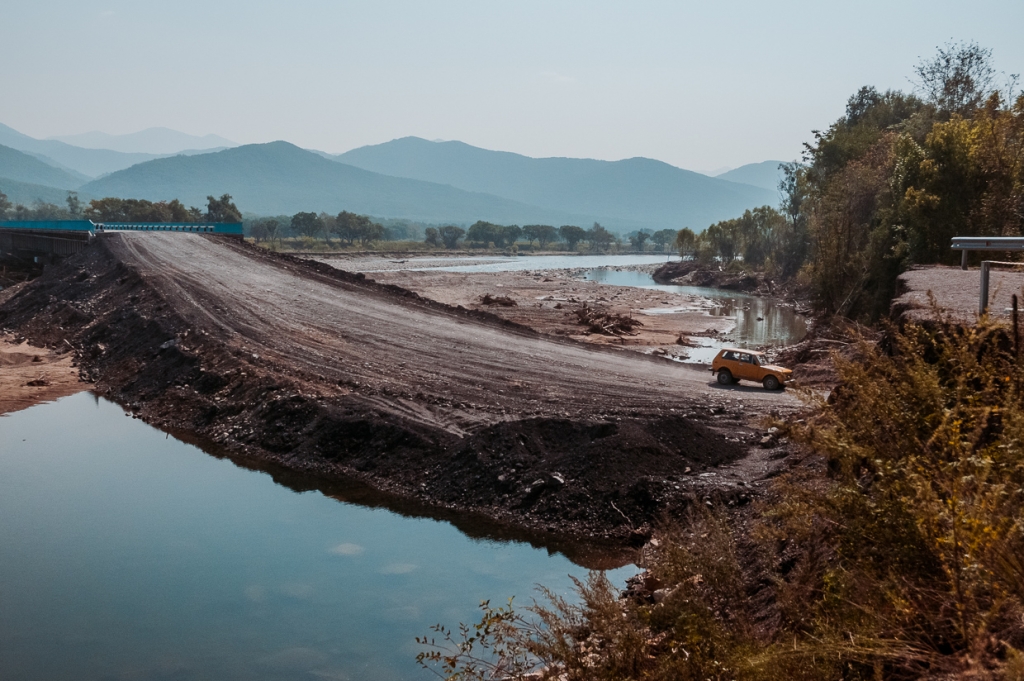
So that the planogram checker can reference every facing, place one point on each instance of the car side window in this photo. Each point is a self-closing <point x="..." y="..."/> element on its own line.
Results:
<point x="729" y="355"/>
<point x="745" y="358"/>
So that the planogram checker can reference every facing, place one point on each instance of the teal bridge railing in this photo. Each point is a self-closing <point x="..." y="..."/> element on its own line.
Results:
<point x="91" y="228"/>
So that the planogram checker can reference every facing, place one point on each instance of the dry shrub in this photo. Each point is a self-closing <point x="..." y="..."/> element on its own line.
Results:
<point x="906" y="563"/>
<point x="925" y="521"/>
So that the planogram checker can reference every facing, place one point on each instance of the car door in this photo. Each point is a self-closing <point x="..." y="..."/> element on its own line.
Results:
<point x="747" y="367"/>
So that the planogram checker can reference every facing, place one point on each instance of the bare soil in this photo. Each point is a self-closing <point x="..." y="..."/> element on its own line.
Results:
<point x="297" y="364"/>
<point x="30" y="375"/>
<point x="551" y="301"/>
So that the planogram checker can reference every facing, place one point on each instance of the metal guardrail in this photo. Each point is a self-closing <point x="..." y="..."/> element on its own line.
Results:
<point x="966" y="244"/>
<point x="80" y="226"/>
<point x="229" y="228"/>
<point x="65" y="237"/>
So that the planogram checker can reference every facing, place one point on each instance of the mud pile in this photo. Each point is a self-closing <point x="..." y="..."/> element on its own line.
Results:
<point x="608" y="471"/>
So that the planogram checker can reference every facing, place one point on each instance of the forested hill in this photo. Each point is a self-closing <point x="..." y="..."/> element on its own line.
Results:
<point x="280" y="178"/>
<point x="641" y="190"/>
<point x="21" y="167"/>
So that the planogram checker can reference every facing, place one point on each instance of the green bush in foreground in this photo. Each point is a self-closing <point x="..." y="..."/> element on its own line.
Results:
<point x="906" y="562"/>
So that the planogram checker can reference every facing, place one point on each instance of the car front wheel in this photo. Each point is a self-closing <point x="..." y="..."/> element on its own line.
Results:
<point x="725" y="377"/>
<point x="770" y="383"/>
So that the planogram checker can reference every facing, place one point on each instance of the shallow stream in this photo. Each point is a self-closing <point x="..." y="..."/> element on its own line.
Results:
<point x="128" y="554"/>
<point x="759" y="322"/>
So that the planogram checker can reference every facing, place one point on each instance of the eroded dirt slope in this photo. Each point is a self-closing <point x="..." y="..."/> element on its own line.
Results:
<point x="325" y="372"/>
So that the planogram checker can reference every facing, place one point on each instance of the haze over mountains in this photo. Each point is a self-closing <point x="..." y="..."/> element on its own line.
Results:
<point x="90" y="163"/>
<point x="280" y="178"/>
<point x="407" y="178"/>
<point x="149" y="141"/>
<point x="765" y="175"/>
<point x="637" y="190"/>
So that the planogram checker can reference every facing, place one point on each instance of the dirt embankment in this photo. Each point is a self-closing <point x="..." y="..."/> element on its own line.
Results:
<point x="327" y="373"/>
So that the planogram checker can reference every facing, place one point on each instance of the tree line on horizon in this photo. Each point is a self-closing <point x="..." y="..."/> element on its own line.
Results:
<point x="113" y="209"/>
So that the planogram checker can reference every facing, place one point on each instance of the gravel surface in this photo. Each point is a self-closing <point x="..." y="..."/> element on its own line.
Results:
<point x="956" y="292"/>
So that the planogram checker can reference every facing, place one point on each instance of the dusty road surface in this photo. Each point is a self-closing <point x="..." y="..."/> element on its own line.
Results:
<point x="325" y="372"/>
<point x="397" y="348"/>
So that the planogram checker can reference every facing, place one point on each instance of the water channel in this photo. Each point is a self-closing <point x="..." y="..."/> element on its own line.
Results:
<point x="128" y="554"/>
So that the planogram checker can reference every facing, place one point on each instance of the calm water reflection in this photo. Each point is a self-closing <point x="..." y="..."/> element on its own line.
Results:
<point x="759" y="321"/>
<point x="126" y="554"/>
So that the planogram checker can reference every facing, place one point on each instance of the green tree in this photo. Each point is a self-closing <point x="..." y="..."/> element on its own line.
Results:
<point x="663" y="238"/>
<point x="510" y="235"/>
<point x="74" y="205"/>
<point x="433" y="237"/>
<point x="265" y="229"/>
<point x="531" y="233"/>
<point x="450" y="235"/>
<point x="306" y="224"/>
<point x="370" y="231"/>
<point x="572" y="235"/>
<point x="599" y="237"/>
<point x="546" y="234"/>
<point x="686" y="243"/>
<point x="484" y="233"/>
<point x="222" y="209"/>
<point x="957" y="79"/>
<point x="638" y="239"/>
<point x="5" y="205"/>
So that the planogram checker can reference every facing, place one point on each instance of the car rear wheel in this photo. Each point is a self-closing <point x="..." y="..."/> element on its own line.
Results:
<point x="771" y="383"/>
<point x="725" y="377"/>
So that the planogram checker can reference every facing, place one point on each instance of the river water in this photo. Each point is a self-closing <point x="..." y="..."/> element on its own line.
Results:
<point x="758" y="322"/>
<point x="128" y="554"/>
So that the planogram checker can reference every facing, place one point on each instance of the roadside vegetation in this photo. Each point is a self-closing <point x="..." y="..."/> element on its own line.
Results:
<point x="905" y="562"/>
<point x="894" y="547"/>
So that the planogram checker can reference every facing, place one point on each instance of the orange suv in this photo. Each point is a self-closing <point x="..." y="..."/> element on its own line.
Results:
<point x="733" y="364"/>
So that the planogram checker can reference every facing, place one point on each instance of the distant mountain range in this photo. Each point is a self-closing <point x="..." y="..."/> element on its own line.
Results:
<point x="637" y="190"/>
<point x="90" y="163"/>
<point x="280" y="178"/>
<point x="21" y="167"/>
<point x="765" y="175"/>
<point x="161" y="141"/>
<point x="407" y="178"/>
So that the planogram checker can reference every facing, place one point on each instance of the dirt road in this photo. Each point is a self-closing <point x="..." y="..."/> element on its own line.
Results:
<point x="396" y="348"/>
<point x="326" y="372"/>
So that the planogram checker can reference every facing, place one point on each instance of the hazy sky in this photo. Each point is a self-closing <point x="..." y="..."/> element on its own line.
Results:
<point x="699" y="85"/>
